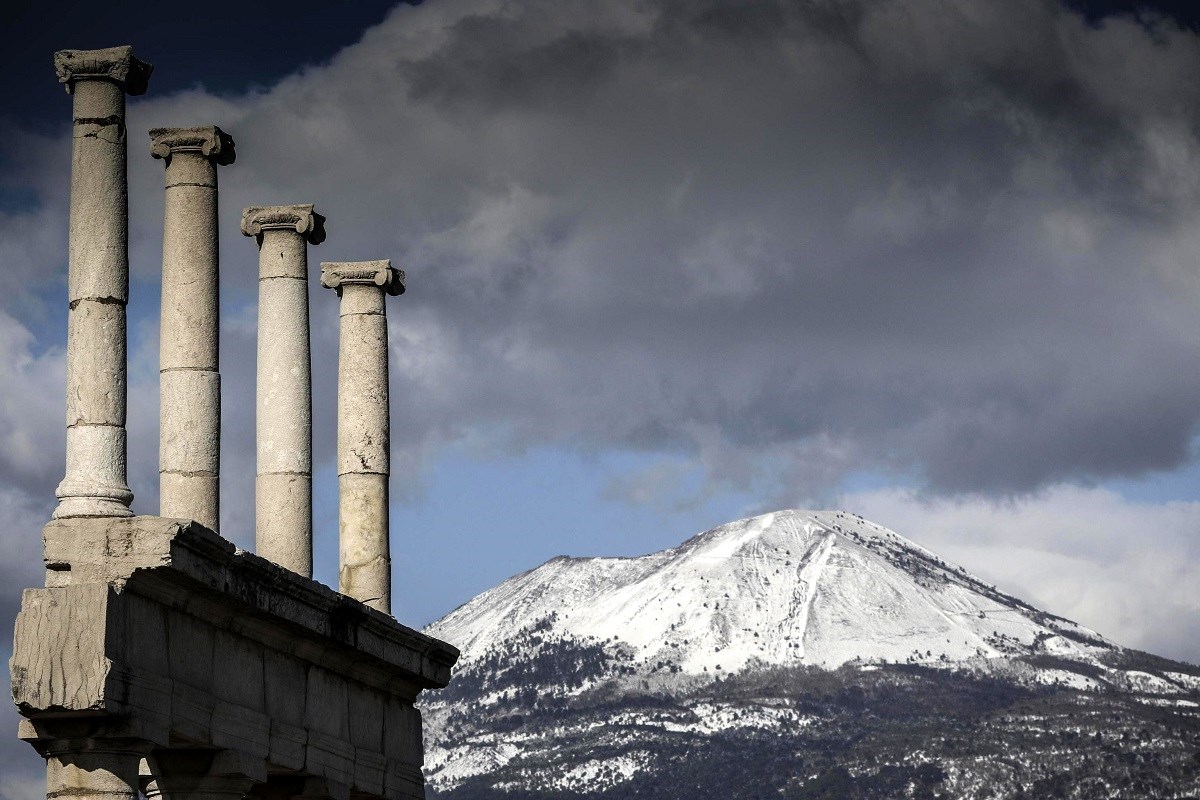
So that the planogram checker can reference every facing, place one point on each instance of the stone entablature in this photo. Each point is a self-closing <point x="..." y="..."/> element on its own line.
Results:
<point x="157" y="634"/>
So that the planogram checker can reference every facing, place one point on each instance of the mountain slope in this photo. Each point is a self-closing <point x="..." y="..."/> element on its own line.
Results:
<point x="785" y="588"/>
<point x="586" y="676"/>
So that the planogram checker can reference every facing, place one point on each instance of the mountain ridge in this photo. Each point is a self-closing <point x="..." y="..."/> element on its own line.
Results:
<point x="806" y="654"/>
<point x="722" y="578"/>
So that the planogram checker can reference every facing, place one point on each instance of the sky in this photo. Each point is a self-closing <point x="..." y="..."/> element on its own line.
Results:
<point x="675" y="263"/>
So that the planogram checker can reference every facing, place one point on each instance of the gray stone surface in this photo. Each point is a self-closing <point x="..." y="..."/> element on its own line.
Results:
<point x="98" y="280"/>
<point x="190" y="383"/>
<point x="160" y="638"/>
<point x="283" y="486"/>
<point x="364" y="567"/>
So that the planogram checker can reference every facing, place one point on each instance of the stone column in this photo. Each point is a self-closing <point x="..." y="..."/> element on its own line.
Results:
<point x="189" y="445"/>
<point x="97" y="280"/>
<point x="283" y="487"/>
<point x="92" y="768"/>
<point x="364" y="563"/>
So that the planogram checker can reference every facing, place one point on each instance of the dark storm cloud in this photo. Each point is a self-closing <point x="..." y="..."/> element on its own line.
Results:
<point x="931" y="236"/>
<point x="950" y="241"/>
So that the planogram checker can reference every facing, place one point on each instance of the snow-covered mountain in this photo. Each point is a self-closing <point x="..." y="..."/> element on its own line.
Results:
<point x="584" y="653"/>
<point x="793" y="587"/>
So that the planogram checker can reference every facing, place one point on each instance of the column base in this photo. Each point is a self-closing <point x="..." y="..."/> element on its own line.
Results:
<point x="69" y="507"/>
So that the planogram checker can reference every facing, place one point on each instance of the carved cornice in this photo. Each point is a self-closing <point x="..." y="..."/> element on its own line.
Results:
<point x="335" y="274"/>
<point x="209" y="141"/>
<point x="116" y="64"/>
<point x="301" y="218"/>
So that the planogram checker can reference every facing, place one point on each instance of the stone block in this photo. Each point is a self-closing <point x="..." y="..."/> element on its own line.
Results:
<point x="403" y="780"/>
<point x="146" y="632"/>
<point x="326" y="706"/>
<point x="370" y="768"/>
<point x="238" y="670"/>
<point x="283" y="521"/>
<point x="98" y="365"/>
<point x="366" y="718"/>
<point x="59" y="660"/>
<point x="240" y="729"/>
<point x="191" y="713"/>
<point x="329" y="757"/>
<point x="402" y="733"/>
<point x="287" y="745"/>
<point x="285" y="685"/>
<point x="190" y="644"/>
<point x="189" y="442"/>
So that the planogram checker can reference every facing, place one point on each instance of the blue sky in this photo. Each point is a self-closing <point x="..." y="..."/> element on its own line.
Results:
<point x="671" y="264"/>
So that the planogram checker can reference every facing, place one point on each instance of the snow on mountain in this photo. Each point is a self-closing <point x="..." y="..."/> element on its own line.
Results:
<point x="818" y="588"/>
<point x="798" y="654"/>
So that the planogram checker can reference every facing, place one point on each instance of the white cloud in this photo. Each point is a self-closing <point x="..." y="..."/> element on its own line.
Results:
<point x="1129" y="570"/>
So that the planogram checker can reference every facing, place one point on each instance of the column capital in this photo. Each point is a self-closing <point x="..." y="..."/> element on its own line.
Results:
<point x="210" y="141"/>
<point x="301" y="218"/>
<point x="335" y="274"/>
<point x="116" y="64"/>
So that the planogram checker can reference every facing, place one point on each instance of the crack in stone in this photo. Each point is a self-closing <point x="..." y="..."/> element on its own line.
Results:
<point x="104" y="301"/>
<point x="104" y="122"/>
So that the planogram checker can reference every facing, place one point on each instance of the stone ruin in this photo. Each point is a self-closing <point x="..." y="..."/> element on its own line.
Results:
<point x="159" y="659"/>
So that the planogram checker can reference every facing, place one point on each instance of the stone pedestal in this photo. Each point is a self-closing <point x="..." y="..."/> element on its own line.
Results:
<point x="364" y="451"/>
<point x="98" y="280"/>
<point x="189" y="379"/>
<point x="283" y="486"/>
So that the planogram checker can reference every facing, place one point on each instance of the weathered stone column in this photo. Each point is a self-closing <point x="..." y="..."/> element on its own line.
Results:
<point x="365" y="565"/>
<point x="283" y="487"/>
<point x="99" y="768"/>
<point x="98" y="280"/>
<point x="189" y="445"/>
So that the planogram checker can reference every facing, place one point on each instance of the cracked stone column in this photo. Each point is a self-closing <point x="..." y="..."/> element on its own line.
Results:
<point x="365" y="565"/>
<point x="283" y="486"/>
<point x="98" y="280"/>
<point x="189" y="448"/>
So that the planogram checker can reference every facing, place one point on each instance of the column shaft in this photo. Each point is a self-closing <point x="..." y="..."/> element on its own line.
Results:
<point x="283" y="486"/>
<point x="365" y="564"/>
<point x="189" y="380"/>
<point x="364" y="449"/>
<point x="98" y="289"/>
<point x="284" y="483"/>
